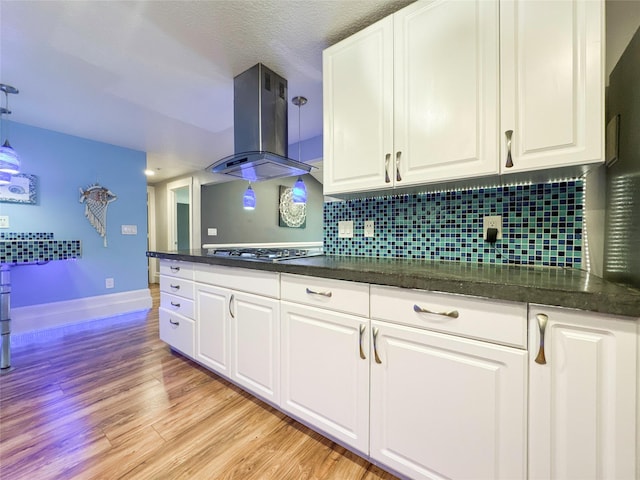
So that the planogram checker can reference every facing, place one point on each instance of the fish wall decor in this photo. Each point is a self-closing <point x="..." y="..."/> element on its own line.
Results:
<point x="96" y="199"/>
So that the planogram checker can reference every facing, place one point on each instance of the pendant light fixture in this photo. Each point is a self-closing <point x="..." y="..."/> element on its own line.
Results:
<point x="299" y="194"/>
<point x="9" y="161"/>
<point x="249" y="199"/>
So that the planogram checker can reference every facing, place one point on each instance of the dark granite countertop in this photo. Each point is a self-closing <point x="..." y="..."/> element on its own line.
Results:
<point x="564" y="287"/>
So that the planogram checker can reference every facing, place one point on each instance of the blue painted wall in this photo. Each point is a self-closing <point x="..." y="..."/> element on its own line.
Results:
<point x="63" y="164"/>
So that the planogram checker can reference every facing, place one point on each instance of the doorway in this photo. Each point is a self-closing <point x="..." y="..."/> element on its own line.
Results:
<point x="180" y="214"/>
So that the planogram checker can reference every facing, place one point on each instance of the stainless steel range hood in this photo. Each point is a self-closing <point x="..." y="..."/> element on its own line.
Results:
<point x="260" y="129"/>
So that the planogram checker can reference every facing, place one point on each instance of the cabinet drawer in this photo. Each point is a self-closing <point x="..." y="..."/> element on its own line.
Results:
<point x="177" y="286"/>
<point x="492" y="320"/>
<point x="175" y="268"/>
<point x="176" y="304"/>
<point x="177" y="331"/>
<point x="257" y="282"/>
<point x="338" y="295"/>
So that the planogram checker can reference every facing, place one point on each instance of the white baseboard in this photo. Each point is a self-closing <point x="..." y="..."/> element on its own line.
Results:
<point x="56" y="314"/>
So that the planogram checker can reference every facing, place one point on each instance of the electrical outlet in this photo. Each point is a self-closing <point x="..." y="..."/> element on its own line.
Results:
<point x="212" y="232"/>
<point x="4" y="221"/>
<point x="494" y="221"/>
<point x="345" y="229"/>
<point x="369" y="228"/>
<point x="109" y="283"/>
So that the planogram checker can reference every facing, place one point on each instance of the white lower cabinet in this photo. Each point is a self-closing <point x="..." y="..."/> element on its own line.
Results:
<point x="177" y="326"/>
<point x="255" y="344"/>
<point x="212" y="328"/>
<point x="325" y="372"/>
<point x="238" y="327"/>
<point x="583" y="394"/>
<point x="443" y="405"/>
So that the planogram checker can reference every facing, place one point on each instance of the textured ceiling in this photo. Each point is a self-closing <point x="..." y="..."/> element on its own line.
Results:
<point x="158" y="76"/>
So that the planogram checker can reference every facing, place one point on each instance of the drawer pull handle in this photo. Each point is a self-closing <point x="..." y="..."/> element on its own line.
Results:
<point x="509" y="163"/>
<point x="230" y="302"/>
<point x="324" y="294"/>
<point x="451" y="314"/>
<point x="175" y="287"/>
<point x="375" y="345"/>
<point x="174" y="323"/>
<point x="387" y="159"/>
<point x="175" y="269"/>
<point x="362" y="329"/>
<point x="398" y="177"/>
<point x="542" y="325"/>
<point x="173" y="304"/>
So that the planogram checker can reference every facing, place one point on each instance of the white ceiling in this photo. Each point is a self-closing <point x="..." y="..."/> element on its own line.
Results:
<point x="157" y="76"/>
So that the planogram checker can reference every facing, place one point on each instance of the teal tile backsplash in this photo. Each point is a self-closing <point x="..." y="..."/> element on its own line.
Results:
<point x="542" y="225"/>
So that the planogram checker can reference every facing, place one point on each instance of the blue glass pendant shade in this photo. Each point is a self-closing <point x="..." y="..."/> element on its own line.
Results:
<point x="5" y="178"/>
<point x="299" y="194"/>
<point x="9" y="161"/>
<point x="249" y="199"/>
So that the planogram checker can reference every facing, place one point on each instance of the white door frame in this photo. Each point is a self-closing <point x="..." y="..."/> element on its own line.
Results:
<point x="172" y="235"/>
<point x="151" y="232"/>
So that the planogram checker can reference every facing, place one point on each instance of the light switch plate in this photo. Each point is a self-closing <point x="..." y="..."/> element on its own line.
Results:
<point x="129" y="229"/>
<point x="345" y="229"/>
<point x="4" y="221"/>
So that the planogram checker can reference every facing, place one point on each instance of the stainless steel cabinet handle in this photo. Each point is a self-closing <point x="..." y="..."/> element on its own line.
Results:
<point x="324" y="294"/>
<point x="175" y="269"/>
<point x="362" y="329"/>
<point x="509" y="163"/>
<point x="542" y="325"/>
<point x="174" y="323"/>
<point x="173" y="304"/>
<point x="375" y="345"/>
<point x="175" y="287"/>
<point x="398" y="177"/>
<point x="452" y="313"/>
<point x="387" y="159"/>
<point x="230" y="302"/>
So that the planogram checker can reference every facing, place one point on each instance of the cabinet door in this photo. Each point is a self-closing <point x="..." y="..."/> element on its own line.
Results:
<point x="552" y="66"/>
<point x="583" y="399"/>
<point x="446" y="90"/>
<point x="255" y="344"/>
<point x="447" y="407"/>
<point x="212" y="305"/>
<point x="358" y="110"/>
<point x="325" y="372"/>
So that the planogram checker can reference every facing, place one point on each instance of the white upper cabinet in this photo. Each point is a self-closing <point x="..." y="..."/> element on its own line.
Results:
<point x="413" y="99"/>
<point x="552" y="74"/>
<point x="358" y="110"/>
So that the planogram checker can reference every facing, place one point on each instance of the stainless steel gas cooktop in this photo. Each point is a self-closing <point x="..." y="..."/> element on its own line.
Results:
<point x="264" y="254"/>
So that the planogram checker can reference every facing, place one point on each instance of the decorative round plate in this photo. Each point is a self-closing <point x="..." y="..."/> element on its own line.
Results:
<point x="293" y="214"/>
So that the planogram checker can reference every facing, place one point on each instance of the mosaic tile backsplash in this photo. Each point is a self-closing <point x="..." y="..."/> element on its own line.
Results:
<point x="542" y="224"/>
<point x="29" y="248"/>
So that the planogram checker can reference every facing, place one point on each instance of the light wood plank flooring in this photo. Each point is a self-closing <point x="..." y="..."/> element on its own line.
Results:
<point x="115" y="402"/>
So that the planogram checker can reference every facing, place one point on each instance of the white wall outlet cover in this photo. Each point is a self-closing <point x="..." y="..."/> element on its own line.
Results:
<point x="109" y="283"/>
<point x="212" y="232"/>
<point x="492" y="221"/>
<point x="369" y="228"/>
<point x="4" y="221"/>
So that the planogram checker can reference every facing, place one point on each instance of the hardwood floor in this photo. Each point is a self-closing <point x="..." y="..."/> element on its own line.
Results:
<point x="115" y="402"/>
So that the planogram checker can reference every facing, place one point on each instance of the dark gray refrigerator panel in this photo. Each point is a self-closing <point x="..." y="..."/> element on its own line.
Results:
<point x="622" y="234"/>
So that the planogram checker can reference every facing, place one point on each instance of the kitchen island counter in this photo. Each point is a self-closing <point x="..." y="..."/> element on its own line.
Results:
<point x="564" y="287"/>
